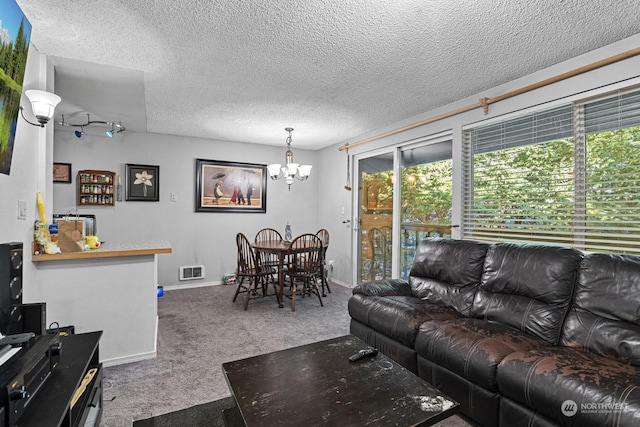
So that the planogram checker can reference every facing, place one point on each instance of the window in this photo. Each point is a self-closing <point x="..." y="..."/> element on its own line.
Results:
<point x="612" y="176"/>
<point x="565" y="175"/>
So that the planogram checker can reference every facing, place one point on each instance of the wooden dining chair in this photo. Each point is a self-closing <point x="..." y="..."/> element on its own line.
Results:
<point x="268" y="234"/>
<point x="304" y="267"/>
<point x="380" y="252"/>
<point x="249" y="268"/>
<point x="323" y="234"/>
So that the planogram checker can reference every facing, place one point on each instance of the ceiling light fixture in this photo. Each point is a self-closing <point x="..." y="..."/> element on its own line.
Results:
<point x="115" y="127"/>
<point x="43" y="104"/>
<point x="290" y="170"/>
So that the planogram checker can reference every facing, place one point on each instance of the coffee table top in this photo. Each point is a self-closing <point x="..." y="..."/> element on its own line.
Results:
<point x="316" y="384"/>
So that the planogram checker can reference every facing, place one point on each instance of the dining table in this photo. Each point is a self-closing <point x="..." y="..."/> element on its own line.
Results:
<point x="280" y="248"/>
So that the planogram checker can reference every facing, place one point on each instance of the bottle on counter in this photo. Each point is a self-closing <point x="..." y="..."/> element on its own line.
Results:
<point x="53" y="232"/>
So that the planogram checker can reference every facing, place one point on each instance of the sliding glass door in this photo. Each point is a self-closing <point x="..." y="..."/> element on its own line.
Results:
<point x="394" y="215"/>
<point x="375" y="219"/>
<point x="425" y="197"/>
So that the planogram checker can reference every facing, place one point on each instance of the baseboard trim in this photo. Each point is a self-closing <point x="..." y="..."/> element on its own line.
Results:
<point x="155" y="338"/>
<point x="191" y="285"/>
<point x="128" y="359"/>
<point x="202" y="285"/>
<point x="338" y="282"/>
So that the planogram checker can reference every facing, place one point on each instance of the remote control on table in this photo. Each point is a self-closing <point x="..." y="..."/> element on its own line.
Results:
<point x="368" y="352"/>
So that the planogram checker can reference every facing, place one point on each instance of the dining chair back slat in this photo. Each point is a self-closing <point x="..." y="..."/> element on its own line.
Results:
<point x="304" y="266"/>
<point x="268" y="234"/>
<point x="248" y="266"/>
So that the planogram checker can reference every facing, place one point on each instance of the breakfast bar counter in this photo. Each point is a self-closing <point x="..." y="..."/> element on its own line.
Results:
<point x="111" y="289"/>
<point x="107" y="250"/>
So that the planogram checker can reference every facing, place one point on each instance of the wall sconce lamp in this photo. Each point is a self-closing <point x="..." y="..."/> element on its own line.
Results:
<point x="290" y="170"/>
<point x="115" y="127"/>
<point x="43" y="104"/>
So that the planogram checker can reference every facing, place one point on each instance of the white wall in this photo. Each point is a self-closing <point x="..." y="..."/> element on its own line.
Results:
<point x="334" y="208"/>
<point x="197" y="238"/>
<point x="332" y="162"/>
<point x="30" y="172"/>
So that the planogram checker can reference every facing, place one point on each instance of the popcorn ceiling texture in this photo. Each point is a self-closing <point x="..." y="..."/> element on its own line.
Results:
<point x="331" y="69"/>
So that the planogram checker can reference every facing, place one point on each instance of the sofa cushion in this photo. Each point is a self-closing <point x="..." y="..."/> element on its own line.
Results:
<point x="606" y="392"/>
<point x="385" y="287"/>
<point x="510" y="411"/>
<point x="447" y="272"/>
<point x="402" y="354"/>
<point x="527" y="287"/>
<point x="472" y="348"/>
<point x="397" y="317"/>
<point x="605" y="315"/>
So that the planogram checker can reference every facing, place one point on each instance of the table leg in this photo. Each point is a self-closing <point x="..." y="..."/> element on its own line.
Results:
<point x="323" y="279"/>
<point x="281" y="277"/>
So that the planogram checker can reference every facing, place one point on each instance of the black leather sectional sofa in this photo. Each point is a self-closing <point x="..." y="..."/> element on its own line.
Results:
<point x="520" y="335"/>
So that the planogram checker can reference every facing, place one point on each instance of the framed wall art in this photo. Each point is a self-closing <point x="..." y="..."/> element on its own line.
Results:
<point x="230" y="187"/>
<point x="15" y="33"/>
<point x="142" y="183"/>
<point x="62" y="172"/>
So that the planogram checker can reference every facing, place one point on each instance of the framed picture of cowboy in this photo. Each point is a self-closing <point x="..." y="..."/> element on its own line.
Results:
<point x="230" y="187"/>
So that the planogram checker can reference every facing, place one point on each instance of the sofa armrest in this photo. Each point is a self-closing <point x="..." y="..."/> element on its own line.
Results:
<point x="390" y="287"/>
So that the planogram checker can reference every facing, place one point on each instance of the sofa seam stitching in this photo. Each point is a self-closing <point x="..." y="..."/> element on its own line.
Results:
<point x="624" y="395"/>
<point x="527" y="381"/>
<point x="589" y="337"/>
<point x="523" y="325"/>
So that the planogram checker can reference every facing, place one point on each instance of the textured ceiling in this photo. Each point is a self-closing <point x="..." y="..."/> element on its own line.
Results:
<point x="331" y="69"/>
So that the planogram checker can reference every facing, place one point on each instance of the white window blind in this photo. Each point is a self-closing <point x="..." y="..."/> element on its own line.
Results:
<point x="561" y="176"/>
<point x="612" y="176"/>
<point x="520" y="179"/>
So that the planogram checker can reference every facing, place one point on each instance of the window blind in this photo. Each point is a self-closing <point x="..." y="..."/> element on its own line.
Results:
<point x="566" y="176"/>
<point x="612" y="181"/>
<point x="519" y="177"/>
<point x="612" y="113"/>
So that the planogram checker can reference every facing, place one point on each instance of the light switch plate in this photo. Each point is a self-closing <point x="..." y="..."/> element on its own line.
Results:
<point x="22" y="209"/>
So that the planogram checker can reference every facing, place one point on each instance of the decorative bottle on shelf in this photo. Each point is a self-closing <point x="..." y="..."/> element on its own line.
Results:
<point x="287" y="233"/>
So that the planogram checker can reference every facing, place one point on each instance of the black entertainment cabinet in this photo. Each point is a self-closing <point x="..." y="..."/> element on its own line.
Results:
<point x="51" y="406"/>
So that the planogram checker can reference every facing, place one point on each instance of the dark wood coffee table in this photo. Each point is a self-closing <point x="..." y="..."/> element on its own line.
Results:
<point x="316" y="384"/>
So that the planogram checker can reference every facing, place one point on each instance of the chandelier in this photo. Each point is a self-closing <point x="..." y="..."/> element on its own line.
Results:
<point x="290" y="170"/>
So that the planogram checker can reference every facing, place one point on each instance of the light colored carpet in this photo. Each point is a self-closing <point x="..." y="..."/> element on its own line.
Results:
<point x="199" y="329"/>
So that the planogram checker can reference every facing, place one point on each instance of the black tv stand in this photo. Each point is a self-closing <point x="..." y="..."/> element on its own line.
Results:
<point x="52" y="405"/>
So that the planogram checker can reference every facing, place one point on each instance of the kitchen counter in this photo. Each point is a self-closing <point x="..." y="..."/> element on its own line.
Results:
<point x="108" y="250"/>
<point x="111" y="289"/>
